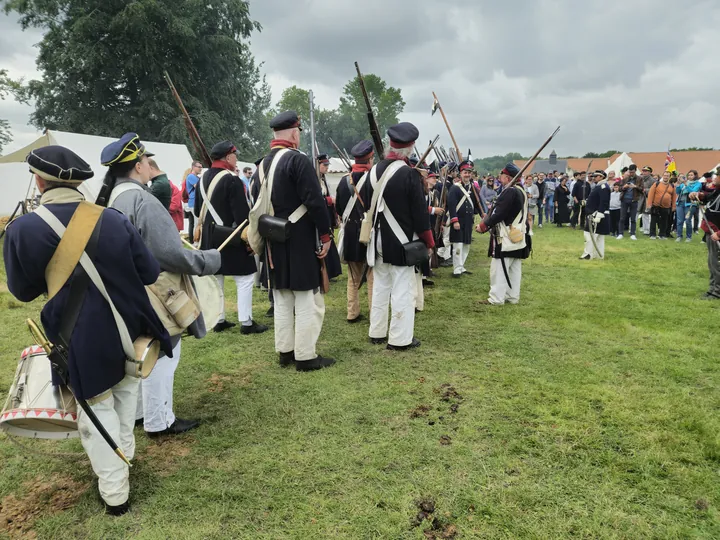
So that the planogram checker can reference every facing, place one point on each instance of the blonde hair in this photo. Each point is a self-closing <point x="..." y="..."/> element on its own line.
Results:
<point x="186" y="173"/>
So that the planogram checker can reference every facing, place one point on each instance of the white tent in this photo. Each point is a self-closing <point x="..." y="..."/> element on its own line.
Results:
<point x="622" y="161"/>
<point x="174" y="159"/>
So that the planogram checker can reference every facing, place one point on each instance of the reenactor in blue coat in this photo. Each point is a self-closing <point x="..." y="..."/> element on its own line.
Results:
<point x="597" y="222"/>
<point x="462" y="215"/>
<point x="96" y="357"/>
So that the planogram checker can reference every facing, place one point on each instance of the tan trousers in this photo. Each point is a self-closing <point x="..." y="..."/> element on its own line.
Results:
<point x="355" y="270"/>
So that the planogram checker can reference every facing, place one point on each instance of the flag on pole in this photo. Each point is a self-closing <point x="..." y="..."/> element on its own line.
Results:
<point x="435" y="106"/>
<point x="670" y="163"/>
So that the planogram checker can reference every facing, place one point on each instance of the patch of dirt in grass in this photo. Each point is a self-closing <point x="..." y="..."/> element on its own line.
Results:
<point x="439" y="529"/>
<point x="702" y="505"/>
<point x="445" y="440"/>
<point x="17" y="516"/>
<point x="165" y="455"/>
<point x="420" y="411"/>
<point x="216" y="383"/>
<point x="448" y="393"/>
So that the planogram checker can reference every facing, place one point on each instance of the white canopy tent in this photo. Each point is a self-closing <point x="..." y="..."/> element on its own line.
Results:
<point x="622" y="161"/>
<point x="174" y="159"/>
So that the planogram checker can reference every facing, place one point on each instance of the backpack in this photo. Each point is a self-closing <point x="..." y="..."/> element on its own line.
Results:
<point x="263" y="204"/>
<point x="185" y="195"/>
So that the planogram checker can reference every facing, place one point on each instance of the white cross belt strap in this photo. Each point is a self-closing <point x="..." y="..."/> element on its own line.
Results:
<point x="206" y="199"/>
<point x="120" y="189"/>
<point x="465" y="197"/>
<point x="94" y="276"/>
<point x="354" y="198"/>
<point x="389" y="217"/>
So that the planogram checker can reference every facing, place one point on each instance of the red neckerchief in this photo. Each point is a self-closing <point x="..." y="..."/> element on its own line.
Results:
<point x="361" y="167"/>
<point x="222" y="164"/>
<point x="392" y="155"/>
<point x="281" y="143"/>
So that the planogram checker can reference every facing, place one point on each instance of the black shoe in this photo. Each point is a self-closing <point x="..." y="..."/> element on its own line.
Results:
<point x="414" y="343"/>
<point x="468" y="272"/>
<point x="314" y="364"/>
<point x="446" y="263"/>
<point x="709" y="296"/>
<point x="456" y="275"/>
<point x="359" y="318"/>
<point x="378" y="340"/>
<point x="585" y="258"/>
<point x="222" y="326"/>
<point x="139" y="422"/>
<point x="428" y="283"/>
<point x="178" y="426"/>
<point x="118" y="510"/>
<point x="287" y="359"/>
<point x="254" y="328"/>
<point x="431" y="274"/>
<point x="270" y="312"/>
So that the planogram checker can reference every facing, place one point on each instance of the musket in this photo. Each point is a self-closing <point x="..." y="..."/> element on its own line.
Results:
<point x="374" y="130"/>
<point x="324" y="281"/>
<point x="58" y="356"/>
<point x="195" y="139"/>
<point x="343" y="157"/>
<point x="429" y="149"/>
<point x="533" y="158"/>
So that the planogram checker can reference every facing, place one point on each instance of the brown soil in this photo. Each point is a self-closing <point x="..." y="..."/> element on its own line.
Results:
<point x="702" y="504"/>
<point x="217" y="382"/>
<point x="420" y="411"/>
<point x="448" y="393"/>
<point x="165" y="455"/>
<point x="17" y="515"/>
<point x="441" y="530"/>
<point x="445" y="440"/>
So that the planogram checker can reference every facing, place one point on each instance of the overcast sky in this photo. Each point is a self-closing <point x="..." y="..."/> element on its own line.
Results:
<point x="631" y="75"/>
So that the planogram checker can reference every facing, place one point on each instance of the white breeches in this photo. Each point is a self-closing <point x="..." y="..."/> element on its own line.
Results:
<point x="420" y="298"/>
<point x="499" y="290"/>
<point x="300" y="331"/>
<point x="394" y="287"/>
<point x="244" y="285"/>
<point x="460" y="254"/>
<point x="155" y="397"/>
<point x="590" y="248"/>
<point x="445" y="252"/>
<point x="117" y="414"/>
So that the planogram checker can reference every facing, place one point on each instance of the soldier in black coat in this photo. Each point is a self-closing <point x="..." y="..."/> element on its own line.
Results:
<point x="510" y="241"/>
<point x="96" y="356"/>
<point x="462" y="209"/>
<point x="294" y="265"/>
<point x="332" y="261"/>
<point x="400" y="216"/>
<point x="353" y="196"/>
<point x="580" y="193"/>
<point x="226" y="209"/>
<point x="597" y="223"/>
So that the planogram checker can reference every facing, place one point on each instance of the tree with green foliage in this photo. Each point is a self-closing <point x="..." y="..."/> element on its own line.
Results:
<point x="692" y="149"/>
<point x="495" y="164"/>
<point x="8" y="87"/>
<point x="102" y="65"/>
<point x="609" y="153"/>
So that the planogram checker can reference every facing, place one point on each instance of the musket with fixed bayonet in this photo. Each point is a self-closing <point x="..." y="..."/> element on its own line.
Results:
<point x="374" y="130"/>
<point x="195" y="139"/>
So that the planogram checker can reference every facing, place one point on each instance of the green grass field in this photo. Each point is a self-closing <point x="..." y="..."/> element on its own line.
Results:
<point x="590" y="410"/>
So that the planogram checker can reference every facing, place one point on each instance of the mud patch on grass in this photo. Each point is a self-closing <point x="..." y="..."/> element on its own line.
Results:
<point x="165" y="456"/>
<point x="439" y="528"/>
<point x="216" y="382"/>
<point x="445" y="440"/>
<point x="17" y="515"/>
<point x="420" y="411"/>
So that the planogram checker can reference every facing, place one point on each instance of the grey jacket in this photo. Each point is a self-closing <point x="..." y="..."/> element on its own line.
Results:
<point x="160" y="236"/>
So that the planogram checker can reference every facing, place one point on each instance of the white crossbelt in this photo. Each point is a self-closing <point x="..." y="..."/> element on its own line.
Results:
<point x="465" y="197"/>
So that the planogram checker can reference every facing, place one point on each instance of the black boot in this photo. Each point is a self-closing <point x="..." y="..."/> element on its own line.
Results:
<point x="270" y="312"/>
<point x="314" y="364"/>
<point x="178" y="426"/>
<point x="357" y="319"/>
<point x="223" y="325"/>
<point x="254" y="328"/>
<point x="414" y="343"/>
<point x="118" y="510"/>
<point x="139" y="422"/>
<point x="378" y="340"/>
<point x="287" y="359"/>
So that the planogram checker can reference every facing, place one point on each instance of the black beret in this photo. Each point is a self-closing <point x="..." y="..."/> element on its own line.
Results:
<point x="511" y="170"/>
<point x="285" y="120"/>
<point x="222" y="149"/>
<point x="624" y="170"/>
<point x="600" y="173"/>
<point x="403" y="135"/>
<point x="323" y="158"/>
<point x="58" y="164"/>
<point x="125" y="150"/>
<point x="361" y="149"/>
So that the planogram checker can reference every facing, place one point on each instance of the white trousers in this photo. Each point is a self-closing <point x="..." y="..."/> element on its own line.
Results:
<point x="300" y="331"/>
<point x="590" y="248"/>
<point x="396" y="287"/>
<point x="155" y="397"/>
<point x="420" y="297"/>
<point x="244" y="286"/>
<point x="117" y="414"/>
<point x="646" y="223"/>
<point x="499" y="290"/>
<point x="460" y="254"/>
<point x="445" y="252"/>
